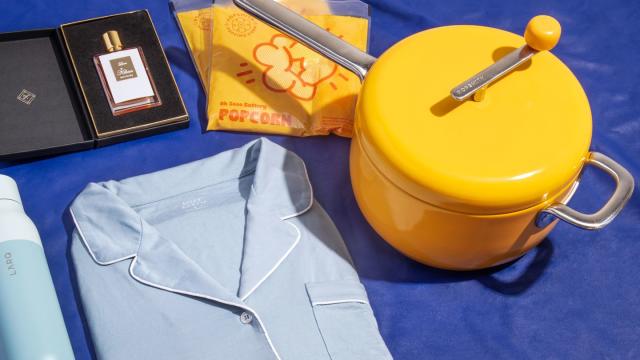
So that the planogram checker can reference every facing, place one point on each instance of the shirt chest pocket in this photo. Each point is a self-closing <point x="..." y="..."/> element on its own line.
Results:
<point x="346" y="321"/>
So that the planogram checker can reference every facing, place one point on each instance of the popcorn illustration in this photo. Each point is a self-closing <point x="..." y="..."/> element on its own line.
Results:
<point x="292" y="68"/>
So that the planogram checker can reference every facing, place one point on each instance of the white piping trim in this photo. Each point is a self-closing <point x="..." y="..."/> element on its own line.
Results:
<point x="277" y="264"/>
<point x="316" y="303"/>
<point x="287" y="217"/>
<point x="284" y="218"/>
<point x="244" y="307"/>
<point x="86" y="244"/>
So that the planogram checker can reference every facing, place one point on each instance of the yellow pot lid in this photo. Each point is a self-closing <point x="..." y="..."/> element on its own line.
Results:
<point x="521" y="145"/>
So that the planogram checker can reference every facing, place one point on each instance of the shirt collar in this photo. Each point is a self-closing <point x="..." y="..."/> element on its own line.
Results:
<point x="112" y="230"/>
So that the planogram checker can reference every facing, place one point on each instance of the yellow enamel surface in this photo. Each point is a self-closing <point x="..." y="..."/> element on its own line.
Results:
<point x="437" y="237"/>
<point x="515" y="149"/>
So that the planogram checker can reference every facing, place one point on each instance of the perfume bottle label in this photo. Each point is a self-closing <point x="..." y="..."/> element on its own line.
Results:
<point x="123" y="68"/>
<point x="126" y="75"/>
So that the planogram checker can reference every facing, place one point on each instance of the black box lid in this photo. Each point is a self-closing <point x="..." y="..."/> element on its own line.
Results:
<point x="40" y="109"/>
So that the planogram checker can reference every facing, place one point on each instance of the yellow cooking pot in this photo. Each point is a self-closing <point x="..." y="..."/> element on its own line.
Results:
<point x="465" y="174"/>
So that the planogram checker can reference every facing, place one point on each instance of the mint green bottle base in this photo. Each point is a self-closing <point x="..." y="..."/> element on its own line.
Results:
<point x="31" y="323"/>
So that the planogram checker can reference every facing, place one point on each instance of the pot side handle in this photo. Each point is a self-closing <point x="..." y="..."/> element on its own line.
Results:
<point x="601" y="218"/>
<point x="308" y="33"/>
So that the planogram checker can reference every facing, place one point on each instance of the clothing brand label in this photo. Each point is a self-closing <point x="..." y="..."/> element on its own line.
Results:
<point x="195" y="204"/>
<point x="26" y="96"/>
<point x="123" y="68"/>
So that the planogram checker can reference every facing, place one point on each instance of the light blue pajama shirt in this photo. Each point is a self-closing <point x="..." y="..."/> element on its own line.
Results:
<point x="223" y="258"/>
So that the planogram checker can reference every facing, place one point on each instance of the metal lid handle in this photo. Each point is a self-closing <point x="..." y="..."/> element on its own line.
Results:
<point x="310" y="34"/>
<point x="542" y="34"/>
<point x="601" y="218"/>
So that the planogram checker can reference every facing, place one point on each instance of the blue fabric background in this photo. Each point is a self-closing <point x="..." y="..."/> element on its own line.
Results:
<point x="577" y="296"/>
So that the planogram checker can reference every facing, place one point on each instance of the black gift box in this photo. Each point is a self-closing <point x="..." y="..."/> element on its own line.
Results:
<point x="51" y="99"/>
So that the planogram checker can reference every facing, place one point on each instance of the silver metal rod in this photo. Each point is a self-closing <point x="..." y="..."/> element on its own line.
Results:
<point x="315" y="37"/>
<point x="494" y="72"/>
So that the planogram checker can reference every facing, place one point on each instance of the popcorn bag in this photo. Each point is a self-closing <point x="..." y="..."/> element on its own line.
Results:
<point x="259" y="80"/>
<point x="194" y="20"/>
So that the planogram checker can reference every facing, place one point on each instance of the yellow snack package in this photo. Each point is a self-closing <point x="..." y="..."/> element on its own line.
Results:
<point x="260" y="80"/>
<point x="194" y="18"/>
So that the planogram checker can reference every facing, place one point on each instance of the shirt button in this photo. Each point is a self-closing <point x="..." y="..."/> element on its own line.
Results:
<point x="246" y="318"/>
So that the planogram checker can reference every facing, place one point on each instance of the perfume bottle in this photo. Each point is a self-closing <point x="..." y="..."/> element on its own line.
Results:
<point x="125" y="77"/>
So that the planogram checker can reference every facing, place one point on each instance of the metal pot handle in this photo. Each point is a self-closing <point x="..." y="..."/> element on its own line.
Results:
<point x="601" y="218"/>
<point x="308" y="33"/>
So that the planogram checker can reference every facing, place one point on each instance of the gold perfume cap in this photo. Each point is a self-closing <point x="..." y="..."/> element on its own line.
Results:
<point x="112" y="41"/>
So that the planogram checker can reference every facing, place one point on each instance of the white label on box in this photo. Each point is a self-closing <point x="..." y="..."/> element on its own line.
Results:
<point x="126" y="75"/>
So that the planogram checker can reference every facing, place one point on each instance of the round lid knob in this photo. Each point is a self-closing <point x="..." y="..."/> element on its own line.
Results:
<point x="543" y="32"/>
<point x="520" y="144"/>
<point x="9" y="189"/>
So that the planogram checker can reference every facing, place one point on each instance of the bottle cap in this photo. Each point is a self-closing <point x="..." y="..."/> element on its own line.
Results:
<point x="9" y="189"/>
<point x="112" y="41"/>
